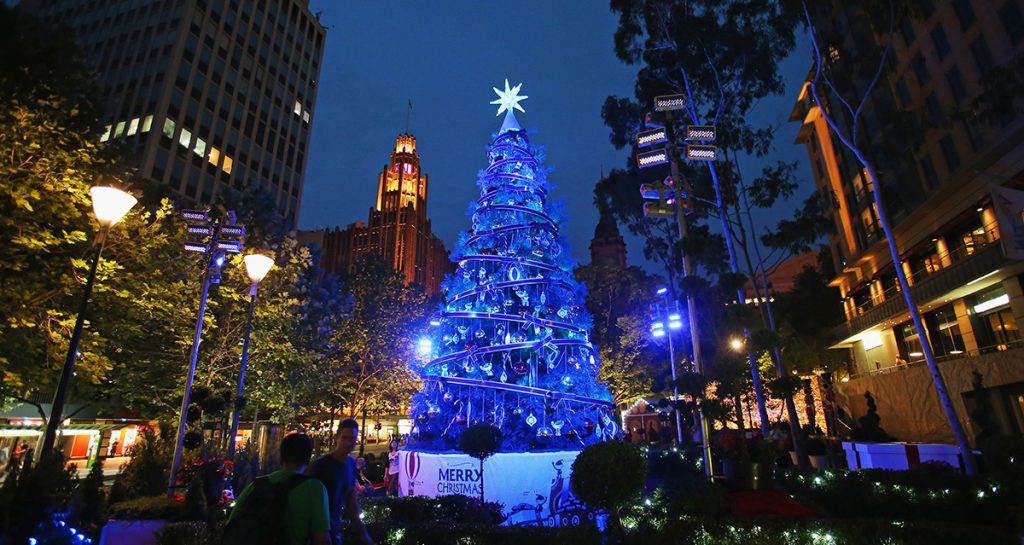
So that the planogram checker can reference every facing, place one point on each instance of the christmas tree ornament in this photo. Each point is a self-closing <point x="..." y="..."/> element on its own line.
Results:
<point x="544" y="433"/>
<point x="531" y="420"/>
<point x="433" y="410"/>
<point x="556" y="425"/>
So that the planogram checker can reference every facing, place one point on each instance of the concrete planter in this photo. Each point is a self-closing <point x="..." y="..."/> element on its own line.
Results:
<point x="899" y="456"/>
<point x="131" y="532"/>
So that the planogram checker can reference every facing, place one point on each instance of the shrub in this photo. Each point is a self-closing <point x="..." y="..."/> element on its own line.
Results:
<point x="480" y="441"/>
<point x="608" y="475"/>
<point x="89" y="506"/>
<point x="455" y="508"/>
<point x="147" y="508"/>
<point x="148" y="469"/>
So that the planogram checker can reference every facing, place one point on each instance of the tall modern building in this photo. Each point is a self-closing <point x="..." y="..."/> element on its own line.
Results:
<point x="953" y="188"/>
<point x="210" y="94"/>
<point x="398" y="228"/>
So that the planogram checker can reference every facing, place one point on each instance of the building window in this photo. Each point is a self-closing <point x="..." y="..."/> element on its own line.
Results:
<point x="994" y="324"/>
<point x="908" y="342"/>
<point x="941" y="41"/>
<point x="1012" y="20"/>
<point x="168" y="128"/>
<point x="147" y="123"/>
<point x="944" y="332"/>
<point x="904" y="92"/>
<point x="133" y="126"/>
<point x="956" y="84"/>
<point x="920" y="69"/>
<point x="214" y="156"/>
<point x="119" y="129"/>
<point x="931" y="177"/>
<point x="982" y="55"/>
<point x="965" y="13"/>
<point x="106" y="134"/>
<point x="907" y="31"/>
<point x="200" y="148"/>
<point x="934" y="110"/>
<point x="228" y="163"/>
<point x="185" y="138"/>
<point x="949" y="153"/>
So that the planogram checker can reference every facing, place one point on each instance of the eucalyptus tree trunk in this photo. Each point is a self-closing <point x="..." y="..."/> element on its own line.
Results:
<point x="850" y="142"/>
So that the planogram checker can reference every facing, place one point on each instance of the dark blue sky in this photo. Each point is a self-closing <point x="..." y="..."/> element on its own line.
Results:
<point x="445" y="56"/>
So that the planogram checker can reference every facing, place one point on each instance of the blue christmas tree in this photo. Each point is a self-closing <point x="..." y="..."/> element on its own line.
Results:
<point x="510" y="345"/>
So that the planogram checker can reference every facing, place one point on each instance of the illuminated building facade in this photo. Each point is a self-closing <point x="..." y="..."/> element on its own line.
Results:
<point x="210" y="94"/>
<point x="398" y="228"/>
<point x="953" y="191"/>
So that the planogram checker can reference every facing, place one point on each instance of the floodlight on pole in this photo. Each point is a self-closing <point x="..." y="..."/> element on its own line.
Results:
<point x="109" y="205"/>
<point x="256" y="267"/>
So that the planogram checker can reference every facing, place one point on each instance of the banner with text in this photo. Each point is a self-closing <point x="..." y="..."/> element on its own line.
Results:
<point x="533" y="487"/>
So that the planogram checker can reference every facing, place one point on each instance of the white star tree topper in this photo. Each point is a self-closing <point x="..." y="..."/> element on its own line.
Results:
<point x="509" y="98"/>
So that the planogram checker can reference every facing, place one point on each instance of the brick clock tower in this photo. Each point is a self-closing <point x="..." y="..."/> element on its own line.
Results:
<point x="398" y="228"/>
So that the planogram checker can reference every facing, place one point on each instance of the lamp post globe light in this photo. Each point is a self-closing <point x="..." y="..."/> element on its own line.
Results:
<point x="662" y="316"/>
<point x="256" y="266"/>
<point x="109" y="205"/>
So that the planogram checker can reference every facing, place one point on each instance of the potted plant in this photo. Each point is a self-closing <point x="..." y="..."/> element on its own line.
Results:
<point x="817" y="451"/>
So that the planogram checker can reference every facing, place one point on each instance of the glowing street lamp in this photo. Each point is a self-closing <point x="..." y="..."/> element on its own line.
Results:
<point x="256" y="266"/>
<point x="109" y="205"/>
<point x="736" y="344"/>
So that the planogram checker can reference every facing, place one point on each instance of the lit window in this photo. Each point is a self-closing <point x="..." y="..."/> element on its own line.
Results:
<point x="106" y="134"/>
<point x="169" y="128"/>
<point x="185" y="138"/>
<point x="119" y="130"/>
<point x="214" y="156"/>
<point x="305" y="116"/>
<point x="200" y="148"/>
<point x="133" y="126"/>
<point x="298" y="108"/>
<point x="147" y="123"/>
<point x="227" y="164"/>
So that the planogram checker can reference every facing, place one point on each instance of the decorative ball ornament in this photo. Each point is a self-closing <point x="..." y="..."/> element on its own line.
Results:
<point x="544" y="434"/>
<point x="433" y="410"/>
<point x="589" y="426"/>
<point x="567" y="381"/>
<point x="531" y="420"/>
<point x="460" y="419"/>
<point x="521" y="367"/>
<point x="448" y="397"/>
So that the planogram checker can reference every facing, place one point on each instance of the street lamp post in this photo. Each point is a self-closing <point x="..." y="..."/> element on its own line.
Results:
<point x="256" y="266"/>
<point x="670" y="314"/>
<point x="109" y="205"/>
<point x="214" y="244"/>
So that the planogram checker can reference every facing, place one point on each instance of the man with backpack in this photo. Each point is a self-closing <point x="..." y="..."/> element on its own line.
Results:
<point x="283" y="508"/>
<point x="337" y="471"/>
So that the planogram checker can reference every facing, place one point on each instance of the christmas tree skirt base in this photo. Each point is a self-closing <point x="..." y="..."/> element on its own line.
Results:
<point x="533" y="487"/>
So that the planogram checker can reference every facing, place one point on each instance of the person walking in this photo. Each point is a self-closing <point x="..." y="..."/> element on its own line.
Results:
<point x="337" y="471"/>
<point x="286" y="505"/>
<point x="393" y="469"/>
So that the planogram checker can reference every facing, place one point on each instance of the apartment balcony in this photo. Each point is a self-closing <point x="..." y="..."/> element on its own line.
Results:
<point x="928" y="285"/>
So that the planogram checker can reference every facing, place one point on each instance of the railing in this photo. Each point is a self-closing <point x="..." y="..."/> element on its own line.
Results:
<point x="959" y="274"/>
<point x="934" y="264"/>
<point x="896" y="368"/>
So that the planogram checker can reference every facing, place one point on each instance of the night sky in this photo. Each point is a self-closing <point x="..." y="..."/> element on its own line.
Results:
<point x="445" y="57"/>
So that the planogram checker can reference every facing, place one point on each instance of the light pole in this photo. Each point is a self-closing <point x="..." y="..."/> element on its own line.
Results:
<point x="215" y="249"/>
<point x="109" y="205"/>
<point x="669" y="313"/>
<point x="256" y="266"/>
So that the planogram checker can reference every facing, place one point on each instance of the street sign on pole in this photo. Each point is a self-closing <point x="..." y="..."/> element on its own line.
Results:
<point x="669" y="102"/>
<point x="652" y="158"/>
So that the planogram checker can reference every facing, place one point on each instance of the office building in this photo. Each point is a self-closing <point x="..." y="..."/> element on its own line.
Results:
<point x="210" y="94"/>
<point x="952" y="188"/>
